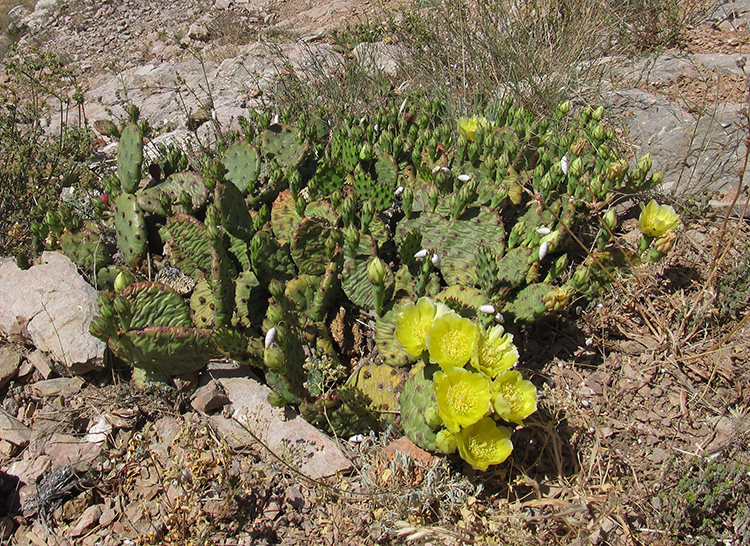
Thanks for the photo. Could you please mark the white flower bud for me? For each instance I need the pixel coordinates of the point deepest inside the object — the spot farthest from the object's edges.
(464, 177)
(544, 231)
(564, 164)
(436, 260)
(275, 119)
(421, 254)
(446, 170)
(436, 169)
(488, 309)
(270, 336)
(398, 191)
(499, 318)
(543, 250)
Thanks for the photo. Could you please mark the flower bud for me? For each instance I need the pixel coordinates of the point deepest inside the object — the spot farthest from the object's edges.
(376, 271)
(610, 219)
(665, 243)
(576, 168)
(121, 281)
(488, 309)
(645, 163)
(270, 336)
(578, 146)
(598, 114)
(564, 107)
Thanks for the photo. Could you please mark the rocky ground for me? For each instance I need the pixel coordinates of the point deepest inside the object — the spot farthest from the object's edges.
(632, 389)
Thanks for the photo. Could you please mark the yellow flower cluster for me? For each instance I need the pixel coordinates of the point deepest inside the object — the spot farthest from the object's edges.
(475, 385)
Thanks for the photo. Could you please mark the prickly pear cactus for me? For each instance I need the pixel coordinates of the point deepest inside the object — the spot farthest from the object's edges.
(417, 399)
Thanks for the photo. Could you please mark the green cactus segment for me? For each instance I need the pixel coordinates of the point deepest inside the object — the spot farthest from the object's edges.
(242, 162)
(284, 144)
(312, 246)
(130, 227)
(236, 345)
(155, 304)
(343, 413)
(456, 241)
(387, 172)
(344, 151)
(417, 397)
(232, 212)
(284, 217)
(86, 249)
(191, 244)
(323, 211)
(357, 285)
(382, 384)
(462, 299)
(270, 260)
(202, 304)
(328, 291)
(173, 189)
(329, 177)
(390, 350)
(222, 281)
(130, 158)
(170, 350)
(240, 250)
(528, 305)
(250, 300)
(513, 267)
(524, 231)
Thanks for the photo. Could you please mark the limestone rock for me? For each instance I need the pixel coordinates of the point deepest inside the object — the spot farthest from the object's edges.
(51, 306)
(287, 435)
(10, 360)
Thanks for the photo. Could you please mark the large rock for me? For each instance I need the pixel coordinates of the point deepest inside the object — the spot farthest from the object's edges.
(286, 435)
(51, 306)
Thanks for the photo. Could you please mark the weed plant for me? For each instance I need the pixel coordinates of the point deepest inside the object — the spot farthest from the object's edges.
(35, 165)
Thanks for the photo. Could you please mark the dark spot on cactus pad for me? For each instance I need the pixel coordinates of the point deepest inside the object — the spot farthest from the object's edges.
(381, 386)
(418, 388)
(367, 374)
(202, 300)
(211, 306)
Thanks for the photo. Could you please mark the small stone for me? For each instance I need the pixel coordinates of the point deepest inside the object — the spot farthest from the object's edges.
(87, 520)
(14, 431)
(198, 32)
(60, 386)
(209, 397)
(10, 360)
(40, 363)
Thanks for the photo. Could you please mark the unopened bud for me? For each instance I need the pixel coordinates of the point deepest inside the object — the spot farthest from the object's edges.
(488, 309)
(610, 219)
(270, 336)
(376, 271)
(421, 254)
(645, 163)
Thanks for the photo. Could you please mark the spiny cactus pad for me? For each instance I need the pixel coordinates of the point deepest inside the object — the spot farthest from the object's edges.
(130, 227)
(130, 158)
(419, 395)
(242, 162)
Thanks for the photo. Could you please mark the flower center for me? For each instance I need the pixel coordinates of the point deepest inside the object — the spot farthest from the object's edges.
(461, 397)
(454, 345)
(513, 396)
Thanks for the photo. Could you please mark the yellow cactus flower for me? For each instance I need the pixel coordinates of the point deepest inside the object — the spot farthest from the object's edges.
(484, 444)
(495, 352)
(414, 321)
(514, 398)
(468, 126)
(452, 340)
(656, 220)
(463, 397)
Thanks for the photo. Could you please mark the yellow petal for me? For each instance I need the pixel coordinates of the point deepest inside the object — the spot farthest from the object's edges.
(656, 220)
(463, 397)
(452, 340)
(495, 352)
(413, 322)
(484, 444)
(514, 397)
